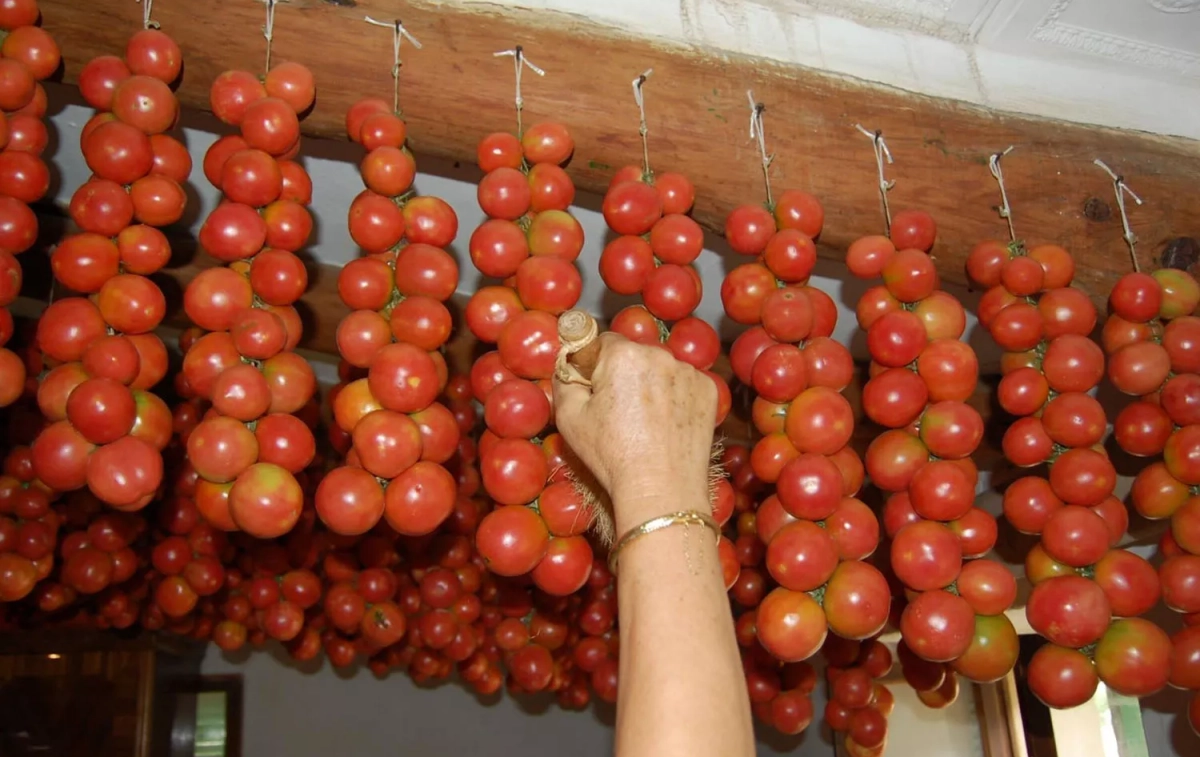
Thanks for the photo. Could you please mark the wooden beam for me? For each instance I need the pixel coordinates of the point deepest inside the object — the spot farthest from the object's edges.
(454, 91)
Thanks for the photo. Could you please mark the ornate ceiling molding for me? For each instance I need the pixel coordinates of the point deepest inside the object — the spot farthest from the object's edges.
(1053, 31)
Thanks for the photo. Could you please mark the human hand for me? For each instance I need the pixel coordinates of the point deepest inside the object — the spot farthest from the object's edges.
(644, 429)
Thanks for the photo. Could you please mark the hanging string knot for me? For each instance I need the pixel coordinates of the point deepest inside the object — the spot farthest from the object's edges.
(519, 62)
(269, 29)
(882, 155)
(1005, 210)
(1121, 189)
(399, 34)
(759, 133)
(147, 22)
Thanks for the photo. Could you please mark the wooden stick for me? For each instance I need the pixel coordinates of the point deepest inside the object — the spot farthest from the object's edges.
(578, 331)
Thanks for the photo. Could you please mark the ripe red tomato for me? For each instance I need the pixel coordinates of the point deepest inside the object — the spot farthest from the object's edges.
(913, 229)
(896, 338)
(938, 625)
(565, 567)
(926, 555)
(743, 291)
(1084, 477)
(632, 207)
(1061, 677)
(791, 625)
(83, 262)
(893, 457)
(1075, 536)
(265, 500)
(810, 487)
(820, 420)
(1068, 610)
(233, 231)
(512, 540)
(1180, 578)
(420, 499)
(1129, 582)
(801, 556)
(857, 600)
(125, 473)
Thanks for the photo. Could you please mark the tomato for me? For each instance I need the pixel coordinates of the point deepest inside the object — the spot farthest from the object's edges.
(1180, 578)
(101, 409)
(938, 626)
(17, 85)
(529, 344)
(672, 292)
(1181, 293)
(857, 600)
(820, 420)
(632, 207)
(125, 473)
(420, 499)
(512, 540)
(60, 457)
(896, 338)
(265, 500)
(101, 207)
(801, 556)
(988, 586)
(119, 152)
(549, 284)
(1029, 502)
(270, 124)
(914, 229)
(1068, 610)
(565, 567)
(941, 491)
(743, 291)
(547, 142)
(892, 458)
(1129, 582)
(221, 448)
(1180, 399)
(926, 555)
(83, 262)
(143, 249)
(145, 103)
(1133, 657)
(1083, 477)
(791, 625)
(233, 231)
(1075, 536)
(950, 370)
(1182, 455)
(1061, 677)
(1073, 363)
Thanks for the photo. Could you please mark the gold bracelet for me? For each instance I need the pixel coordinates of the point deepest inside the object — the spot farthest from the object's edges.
(682, 517)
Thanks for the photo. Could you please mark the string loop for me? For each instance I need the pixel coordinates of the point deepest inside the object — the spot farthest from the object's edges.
(643, 131)
(757, 132)
(269, 30)
(998, 174)
(147, 22)
(1120, 188)
(519, 62)
(882, 153)
(399, 34)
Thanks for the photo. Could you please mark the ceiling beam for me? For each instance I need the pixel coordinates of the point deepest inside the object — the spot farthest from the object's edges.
(454, 91)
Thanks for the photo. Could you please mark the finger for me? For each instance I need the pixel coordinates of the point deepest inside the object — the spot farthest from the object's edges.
(610, 350)
(570, 401)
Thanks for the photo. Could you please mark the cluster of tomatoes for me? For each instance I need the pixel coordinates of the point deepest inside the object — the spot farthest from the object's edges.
(1087, 593)
(248, 446)
(107, 428)
(530, 241)
(396, 435)
(1153, 344)
(27, 55)
(859, 704)
(921, 378)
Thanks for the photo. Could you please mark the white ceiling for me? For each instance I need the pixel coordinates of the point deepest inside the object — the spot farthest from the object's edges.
(1123, 63)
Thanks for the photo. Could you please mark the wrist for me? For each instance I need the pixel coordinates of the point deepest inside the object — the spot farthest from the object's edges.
(633, 508)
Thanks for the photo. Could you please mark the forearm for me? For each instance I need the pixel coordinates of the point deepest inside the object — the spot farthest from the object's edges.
(682, 689)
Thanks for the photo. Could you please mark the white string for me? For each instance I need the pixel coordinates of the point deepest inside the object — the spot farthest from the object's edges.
(998, 174)
(519, 62)
(757, 132)
(1121, 189)
(399, 34)
(639, 98)
(147, 22)
(882, 153)
(269, 28)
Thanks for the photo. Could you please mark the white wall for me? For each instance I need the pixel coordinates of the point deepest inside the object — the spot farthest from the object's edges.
(311, 710)
(1122, 63)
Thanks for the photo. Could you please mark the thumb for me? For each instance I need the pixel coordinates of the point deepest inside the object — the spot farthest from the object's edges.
(570, 404)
